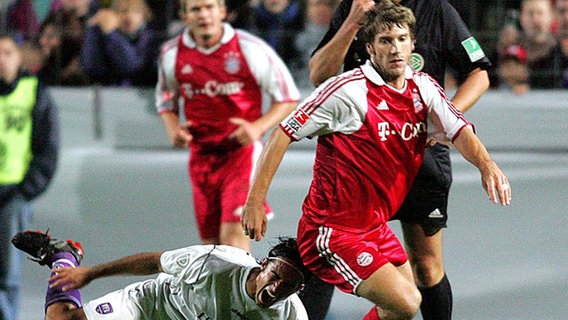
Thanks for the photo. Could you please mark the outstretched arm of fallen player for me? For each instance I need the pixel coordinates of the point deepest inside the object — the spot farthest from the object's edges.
(138, 264)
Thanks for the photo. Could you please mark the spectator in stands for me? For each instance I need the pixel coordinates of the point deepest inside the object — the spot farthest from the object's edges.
(512, 69)
(32, 57)
(562, 14)
(318, 17)
(278, 22)
(511, 72)
(240, 14)
(543, 52)
(119, 48)
(50, 43)
(22, 20)
(69, 18)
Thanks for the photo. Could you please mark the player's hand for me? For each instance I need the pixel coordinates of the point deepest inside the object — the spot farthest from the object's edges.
(358, 11)
(246, 133)
(107, 20)
(495, 183)
(69, 278)
(254, 221)
(430, 142)
(182, 137)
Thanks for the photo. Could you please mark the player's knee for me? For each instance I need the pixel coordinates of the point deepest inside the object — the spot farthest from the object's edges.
(410, 305)
(429, 275)
(405, 306)
(428, 270)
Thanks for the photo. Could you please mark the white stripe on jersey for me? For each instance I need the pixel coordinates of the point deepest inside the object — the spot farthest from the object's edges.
(327, 90)
(270, 71)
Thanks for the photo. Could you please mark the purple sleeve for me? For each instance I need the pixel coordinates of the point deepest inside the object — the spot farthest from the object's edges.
(92, 53)
(130, 57)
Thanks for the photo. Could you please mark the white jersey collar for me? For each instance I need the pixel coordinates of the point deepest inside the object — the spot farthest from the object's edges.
(372, 74)
(228, 34)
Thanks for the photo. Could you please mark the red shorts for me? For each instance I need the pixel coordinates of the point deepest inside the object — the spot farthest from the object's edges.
(344, 259)
(220, 183)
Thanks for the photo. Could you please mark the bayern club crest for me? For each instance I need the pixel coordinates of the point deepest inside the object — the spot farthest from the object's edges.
(232, 63)
(418, 107)
(364, 259)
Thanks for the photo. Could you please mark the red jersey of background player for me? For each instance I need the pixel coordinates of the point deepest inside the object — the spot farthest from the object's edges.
(219, 83)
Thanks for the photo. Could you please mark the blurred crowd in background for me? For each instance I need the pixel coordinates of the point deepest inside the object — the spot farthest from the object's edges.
(117, 42)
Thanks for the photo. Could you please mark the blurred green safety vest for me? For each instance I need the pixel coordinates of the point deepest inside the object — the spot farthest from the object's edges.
(16, 131)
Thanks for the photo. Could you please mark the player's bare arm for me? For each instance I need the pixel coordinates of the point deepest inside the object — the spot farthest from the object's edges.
(476, 83)
(248, 132)
(139, 264)
(492, 178)
(327, 61)
(253, 219)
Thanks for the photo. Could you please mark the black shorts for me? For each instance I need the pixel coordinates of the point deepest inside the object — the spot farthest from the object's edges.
(427, 201)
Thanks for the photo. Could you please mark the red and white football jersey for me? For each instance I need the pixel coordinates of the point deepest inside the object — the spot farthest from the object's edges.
(225, 81)
(371, 139)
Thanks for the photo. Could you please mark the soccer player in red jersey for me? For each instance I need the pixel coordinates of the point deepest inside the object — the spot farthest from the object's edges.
(217, 75)
(442, 42)
(372, 124)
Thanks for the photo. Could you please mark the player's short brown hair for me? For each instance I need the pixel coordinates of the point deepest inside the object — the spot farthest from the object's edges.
(387, 14)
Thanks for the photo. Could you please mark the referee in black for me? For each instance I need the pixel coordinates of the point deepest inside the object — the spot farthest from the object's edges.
(443, 42)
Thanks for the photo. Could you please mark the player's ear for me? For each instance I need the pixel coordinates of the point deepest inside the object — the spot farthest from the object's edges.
(370, 49)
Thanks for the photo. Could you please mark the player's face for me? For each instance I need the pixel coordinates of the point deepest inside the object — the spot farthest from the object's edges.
(277, 280)
(10, 60)
(536, 17)
(390, 53)
(205, 21)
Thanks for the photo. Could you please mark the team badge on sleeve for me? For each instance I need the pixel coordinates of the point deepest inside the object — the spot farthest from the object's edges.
(104, 308)
(416, 62)
(473, 49)
(297, 120)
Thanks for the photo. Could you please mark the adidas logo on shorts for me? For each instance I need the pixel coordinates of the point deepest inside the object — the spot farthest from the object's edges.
(436, 214)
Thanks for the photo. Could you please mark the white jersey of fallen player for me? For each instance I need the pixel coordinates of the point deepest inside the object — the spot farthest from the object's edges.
(363, 171)
(209, 282)
(203, 282)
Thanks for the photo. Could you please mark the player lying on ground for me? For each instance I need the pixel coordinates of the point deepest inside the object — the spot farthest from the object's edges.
(197, 282)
